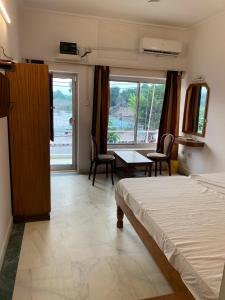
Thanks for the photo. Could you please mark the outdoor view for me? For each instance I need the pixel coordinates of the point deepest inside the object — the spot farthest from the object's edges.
(61, 148)
(135, 111)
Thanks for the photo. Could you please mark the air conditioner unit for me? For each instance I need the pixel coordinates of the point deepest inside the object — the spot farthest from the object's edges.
(160, 46)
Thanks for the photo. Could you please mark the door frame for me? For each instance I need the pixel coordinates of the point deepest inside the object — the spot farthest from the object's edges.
(74, 77)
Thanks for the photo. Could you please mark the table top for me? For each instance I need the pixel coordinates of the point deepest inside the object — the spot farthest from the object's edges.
(132, 157)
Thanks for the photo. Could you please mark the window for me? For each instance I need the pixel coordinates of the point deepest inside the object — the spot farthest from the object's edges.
(135, 111)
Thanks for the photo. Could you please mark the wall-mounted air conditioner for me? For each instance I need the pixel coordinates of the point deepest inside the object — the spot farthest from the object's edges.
(160, 46)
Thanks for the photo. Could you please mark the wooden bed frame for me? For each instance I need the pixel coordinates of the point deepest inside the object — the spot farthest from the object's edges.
(181, 292)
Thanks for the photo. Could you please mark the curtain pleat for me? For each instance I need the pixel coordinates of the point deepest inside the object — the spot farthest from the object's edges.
(101, 107)
(169, 122)
(191, 110)
(196, 107)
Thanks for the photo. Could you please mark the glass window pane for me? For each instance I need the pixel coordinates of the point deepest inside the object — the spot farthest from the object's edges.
(61, 148)
(149, 113)
(122, 114)
(202, 107)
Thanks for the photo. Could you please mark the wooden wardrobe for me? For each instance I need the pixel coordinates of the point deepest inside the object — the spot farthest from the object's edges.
(29, 130)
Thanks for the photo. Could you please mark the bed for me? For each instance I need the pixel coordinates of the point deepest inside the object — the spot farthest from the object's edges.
(181, 220)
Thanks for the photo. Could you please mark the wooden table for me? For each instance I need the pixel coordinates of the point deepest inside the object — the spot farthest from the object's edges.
(132, 158)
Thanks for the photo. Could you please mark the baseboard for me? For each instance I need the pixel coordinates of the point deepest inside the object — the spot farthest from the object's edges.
(5, 242)
(83, 171)
(24, 219)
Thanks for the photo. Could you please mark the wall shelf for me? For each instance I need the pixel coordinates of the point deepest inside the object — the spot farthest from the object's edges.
(189, 142)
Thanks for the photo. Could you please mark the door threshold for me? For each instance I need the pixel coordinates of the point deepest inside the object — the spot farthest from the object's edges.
(64, 171)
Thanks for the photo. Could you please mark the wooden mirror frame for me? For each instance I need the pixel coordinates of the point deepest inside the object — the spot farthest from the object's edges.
(199, 84)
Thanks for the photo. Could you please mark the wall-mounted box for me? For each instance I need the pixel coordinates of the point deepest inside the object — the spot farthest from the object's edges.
(68, 48)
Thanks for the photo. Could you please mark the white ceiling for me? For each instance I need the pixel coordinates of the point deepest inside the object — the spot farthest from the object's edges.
(166, 12)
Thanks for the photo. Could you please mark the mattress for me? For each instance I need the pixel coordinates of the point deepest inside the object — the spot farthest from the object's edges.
(186, 218)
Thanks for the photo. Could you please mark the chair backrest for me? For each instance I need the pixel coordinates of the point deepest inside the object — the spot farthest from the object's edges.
(94, 149)
(166, 144)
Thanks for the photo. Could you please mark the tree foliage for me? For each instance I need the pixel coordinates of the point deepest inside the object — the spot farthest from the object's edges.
(150, 105)
(125, 108)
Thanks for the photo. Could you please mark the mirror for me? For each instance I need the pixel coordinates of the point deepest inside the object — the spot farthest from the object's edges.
(195, 110)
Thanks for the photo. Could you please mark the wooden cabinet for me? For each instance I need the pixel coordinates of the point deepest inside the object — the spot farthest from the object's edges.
(29, 142)
(4, 96)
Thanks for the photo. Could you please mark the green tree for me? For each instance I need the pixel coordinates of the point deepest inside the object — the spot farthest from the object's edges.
(114, 94)
(62, 101)
(113, 137)
(150, 105)
(58, 95)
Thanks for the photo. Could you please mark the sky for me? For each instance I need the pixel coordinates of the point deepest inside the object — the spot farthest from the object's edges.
(62, 84)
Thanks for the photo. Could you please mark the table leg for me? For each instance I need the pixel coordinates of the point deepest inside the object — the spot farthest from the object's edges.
(115, 164)
(150, 170)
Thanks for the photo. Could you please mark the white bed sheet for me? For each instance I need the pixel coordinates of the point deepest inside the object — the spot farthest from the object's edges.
(213, 181)
(186, 218)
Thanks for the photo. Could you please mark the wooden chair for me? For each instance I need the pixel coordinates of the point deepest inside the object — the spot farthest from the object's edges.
(164, 153)
(100, 159)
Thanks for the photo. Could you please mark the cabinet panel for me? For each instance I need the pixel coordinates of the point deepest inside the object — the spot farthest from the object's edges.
(4, 96)
(29, 141)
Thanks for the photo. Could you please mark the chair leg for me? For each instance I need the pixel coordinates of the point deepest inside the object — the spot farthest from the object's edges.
(160, 167)
(156, 166)
(169, 166)
(90, 172)
(112, 165)
(107, 170)
(95, 169)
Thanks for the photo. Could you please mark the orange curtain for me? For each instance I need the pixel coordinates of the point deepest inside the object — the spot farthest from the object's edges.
(196, 106)
(169, 122)
(101, 102)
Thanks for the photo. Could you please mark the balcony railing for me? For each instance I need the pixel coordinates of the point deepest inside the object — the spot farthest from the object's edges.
(127, 136)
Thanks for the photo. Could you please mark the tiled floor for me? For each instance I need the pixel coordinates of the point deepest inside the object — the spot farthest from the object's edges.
(80, 254)
(9, 267)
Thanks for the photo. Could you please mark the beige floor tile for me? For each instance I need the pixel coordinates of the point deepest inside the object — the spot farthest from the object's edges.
(22, 292)
(103, 279)
(80, 254)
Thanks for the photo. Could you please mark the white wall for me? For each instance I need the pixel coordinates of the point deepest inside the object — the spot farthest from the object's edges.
(206, 58)
(9, 40)
(43, 30)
